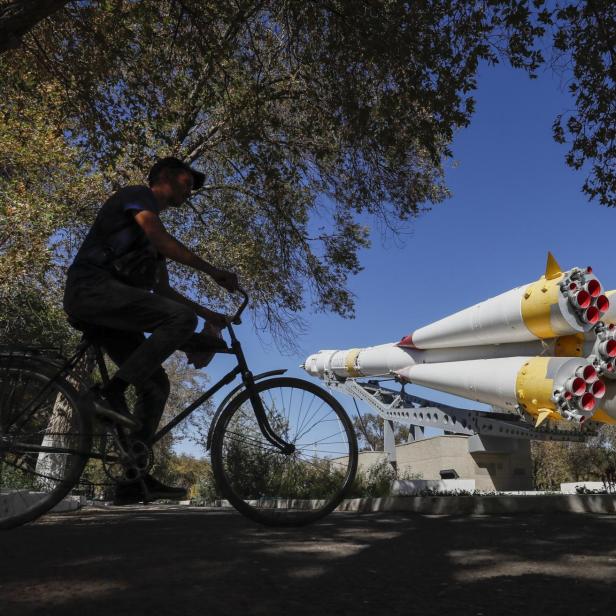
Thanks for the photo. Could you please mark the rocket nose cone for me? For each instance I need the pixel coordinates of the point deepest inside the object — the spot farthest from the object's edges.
(310, 365)
(404, 373)
(407, 342)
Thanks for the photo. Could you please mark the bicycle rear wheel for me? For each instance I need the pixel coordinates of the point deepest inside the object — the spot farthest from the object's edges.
(44, 439)
(280, 489)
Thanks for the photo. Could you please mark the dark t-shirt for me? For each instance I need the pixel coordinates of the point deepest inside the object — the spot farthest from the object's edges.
(114, 232)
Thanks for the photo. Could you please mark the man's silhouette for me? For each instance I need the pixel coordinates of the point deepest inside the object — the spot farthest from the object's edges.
(119, 284)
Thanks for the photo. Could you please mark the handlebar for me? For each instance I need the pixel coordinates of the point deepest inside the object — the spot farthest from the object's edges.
(235, 319)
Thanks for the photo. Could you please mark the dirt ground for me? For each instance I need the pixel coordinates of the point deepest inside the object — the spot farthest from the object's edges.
(172, 560)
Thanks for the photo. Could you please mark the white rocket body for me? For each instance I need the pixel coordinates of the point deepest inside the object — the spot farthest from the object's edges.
(496, 320)
(491, 381)
(540, 347)
(555, 387)
(387, 358)
(493, 321)
(610, 316)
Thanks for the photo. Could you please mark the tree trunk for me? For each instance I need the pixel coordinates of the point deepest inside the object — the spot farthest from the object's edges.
(53, 465)
(20, 16)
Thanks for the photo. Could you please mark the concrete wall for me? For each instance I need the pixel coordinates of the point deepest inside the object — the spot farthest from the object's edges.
(490, 470)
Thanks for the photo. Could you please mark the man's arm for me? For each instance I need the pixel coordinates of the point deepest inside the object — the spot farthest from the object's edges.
(171, 248)
(164, 288)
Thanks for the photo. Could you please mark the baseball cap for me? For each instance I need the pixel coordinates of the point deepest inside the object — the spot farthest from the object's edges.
(171, 162)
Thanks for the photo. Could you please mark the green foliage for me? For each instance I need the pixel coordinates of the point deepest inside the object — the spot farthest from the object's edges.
(30, 314)
(585, 51)
(280, 103)
(369, 430)
(189, 472)
(16, 479)
(560, 462)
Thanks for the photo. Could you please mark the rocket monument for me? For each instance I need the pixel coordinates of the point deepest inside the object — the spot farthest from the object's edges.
(546, 349)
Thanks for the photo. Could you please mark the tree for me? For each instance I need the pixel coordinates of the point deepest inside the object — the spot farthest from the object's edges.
(310, 120)
(369, 429)
(560, 462)
(585, 42)
(17, 17)
(305, 117)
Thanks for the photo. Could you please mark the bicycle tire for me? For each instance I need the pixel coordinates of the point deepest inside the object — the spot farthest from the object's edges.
(30, 487)
(245, 483)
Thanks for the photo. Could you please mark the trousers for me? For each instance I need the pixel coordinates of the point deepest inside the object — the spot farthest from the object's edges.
(121, 314)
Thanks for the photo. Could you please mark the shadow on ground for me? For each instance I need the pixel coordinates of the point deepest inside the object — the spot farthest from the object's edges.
(193, 561)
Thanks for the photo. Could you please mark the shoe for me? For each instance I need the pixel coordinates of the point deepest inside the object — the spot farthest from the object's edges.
(132, 493)
(113, 409)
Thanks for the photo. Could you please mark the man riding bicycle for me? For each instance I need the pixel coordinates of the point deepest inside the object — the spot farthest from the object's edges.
(119, 284)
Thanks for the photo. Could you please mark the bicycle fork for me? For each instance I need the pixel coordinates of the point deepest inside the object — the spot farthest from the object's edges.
(262, 420)
(255, 399)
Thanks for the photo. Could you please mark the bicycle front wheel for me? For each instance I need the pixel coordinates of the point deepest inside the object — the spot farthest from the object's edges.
(44, 439)
(280, 489)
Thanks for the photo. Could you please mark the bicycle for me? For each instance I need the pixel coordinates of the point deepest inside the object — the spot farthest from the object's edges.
(283, 450)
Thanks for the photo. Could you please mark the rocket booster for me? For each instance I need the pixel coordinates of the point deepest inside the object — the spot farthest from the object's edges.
(387, 358)
(610, 316)
(558, 304)
(544, 348)
(545, 387)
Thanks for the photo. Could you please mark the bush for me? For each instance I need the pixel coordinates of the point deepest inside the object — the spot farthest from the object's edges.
(376, 481)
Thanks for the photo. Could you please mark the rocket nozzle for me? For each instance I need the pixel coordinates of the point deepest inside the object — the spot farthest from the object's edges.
(587, 402)
(407, 342)
(607, 348)
(592, 315)
(576, 385)
(593, 287)
(581, 299)
(598, 389)
(588, 373)
(602, 304)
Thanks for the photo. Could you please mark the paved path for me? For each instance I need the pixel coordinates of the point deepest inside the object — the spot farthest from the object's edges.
(166, 560)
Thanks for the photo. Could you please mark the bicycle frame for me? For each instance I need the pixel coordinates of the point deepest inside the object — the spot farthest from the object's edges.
(248, 382)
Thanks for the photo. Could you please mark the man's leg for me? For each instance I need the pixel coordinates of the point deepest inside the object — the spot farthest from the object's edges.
(152, 396)
(117, 306)
(152, 393)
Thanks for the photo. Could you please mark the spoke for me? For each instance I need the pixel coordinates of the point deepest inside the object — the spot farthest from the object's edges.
(32, 472)
(320, 421)
(27, 410)
(288, 418)
(299, 417)
(243, 437)
(320, 467)
(323, 439)
(300, 434)
(307, 452)
(306, 446)
(16, 385)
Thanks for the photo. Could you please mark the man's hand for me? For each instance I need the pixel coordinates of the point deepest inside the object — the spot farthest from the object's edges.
(226, 279)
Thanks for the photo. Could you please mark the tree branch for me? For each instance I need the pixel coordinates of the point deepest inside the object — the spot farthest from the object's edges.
(17, 18)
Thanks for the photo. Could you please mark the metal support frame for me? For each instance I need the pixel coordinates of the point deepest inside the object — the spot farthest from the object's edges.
(420, 413)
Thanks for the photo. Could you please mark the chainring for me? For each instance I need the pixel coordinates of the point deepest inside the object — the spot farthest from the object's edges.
(126, 462)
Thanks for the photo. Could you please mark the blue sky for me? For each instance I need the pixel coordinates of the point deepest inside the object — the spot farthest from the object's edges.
(513, 199)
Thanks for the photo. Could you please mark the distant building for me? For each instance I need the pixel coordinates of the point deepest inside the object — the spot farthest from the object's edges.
(501, 464)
